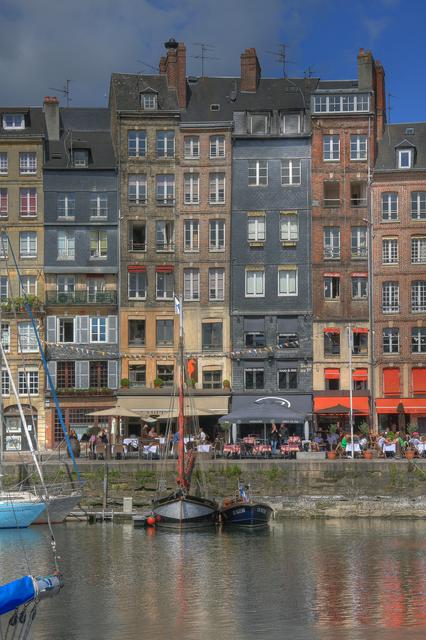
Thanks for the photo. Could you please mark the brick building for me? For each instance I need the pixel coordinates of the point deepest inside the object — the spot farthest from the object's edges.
(399, 284)
(347, 120)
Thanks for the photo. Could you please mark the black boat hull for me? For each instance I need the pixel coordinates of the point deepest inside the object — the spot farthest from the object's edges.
(184, 511)
(250, 514)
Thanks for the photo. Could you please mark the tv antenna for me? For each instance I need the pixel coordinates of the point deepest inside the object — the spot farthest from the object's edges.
(281, 56)
(65, 91)
(309, 72)
(205, 50)
(389, 106)
(145, 64)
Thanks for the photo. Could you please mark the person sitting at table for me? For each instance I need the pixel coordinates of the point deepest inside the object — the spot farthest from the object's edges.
(317, 442)
(202, 436)
(152, 432)
(414, 440)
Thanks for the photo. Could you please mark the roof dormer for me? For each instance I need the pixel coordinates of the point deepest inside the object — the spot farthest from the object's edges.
(149, 99)
(405, 154)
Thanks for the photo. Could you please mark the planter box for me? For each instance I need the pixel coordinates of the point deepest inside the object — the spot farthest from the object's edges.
(310, 455)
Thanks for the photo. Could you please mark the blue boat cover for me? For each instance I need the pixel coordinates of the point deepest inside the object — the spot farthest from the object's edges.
(15, 593)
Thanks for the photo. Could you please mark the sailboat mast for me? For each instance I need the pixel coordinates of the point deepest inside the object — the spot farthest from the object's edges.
(181, 418)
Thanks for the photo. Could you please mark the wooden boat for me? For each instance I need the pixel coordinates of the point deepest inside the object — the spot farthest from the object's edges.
(242, 511)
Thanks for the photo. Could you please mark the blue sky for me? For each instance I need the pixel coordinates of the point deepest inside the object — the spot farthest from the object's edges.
(44, 42)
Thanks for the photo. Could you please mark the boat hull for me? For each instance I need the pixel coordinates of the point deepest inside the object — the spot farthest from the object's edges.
(250, 514)
(19, 514)
(59, 508)
(184, 511)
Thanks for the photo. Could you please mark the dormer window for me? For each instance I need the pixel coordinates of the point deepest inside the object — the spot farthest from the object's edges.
(149, 101)
(80, 157)
(13, 121)
(405, 158)
(258, 123)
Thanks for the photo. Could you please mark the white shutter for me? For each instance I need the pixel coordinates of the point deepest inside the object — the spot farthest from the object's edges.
(82, 329)
(51, 329)
(82, 374)
(112, 374)
(52, 370)
(112, 329)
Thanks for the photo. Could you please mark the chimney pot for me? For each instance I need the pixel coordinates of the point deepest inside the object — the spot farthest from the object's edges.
(250, 70)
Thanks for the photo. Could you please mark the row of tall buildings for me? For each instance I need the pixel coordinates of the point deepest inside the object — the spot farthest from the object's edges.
(285, 212)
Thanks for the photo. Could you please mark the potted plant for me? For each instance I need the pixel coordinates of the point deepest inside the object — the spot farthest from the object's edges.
(158, 383)
(226, 384)
(191, 382)
(125, 382)
(364, 429)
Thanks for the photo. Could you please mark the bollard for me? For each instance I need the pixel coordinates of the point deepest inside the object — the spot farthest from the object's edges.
(128, 505)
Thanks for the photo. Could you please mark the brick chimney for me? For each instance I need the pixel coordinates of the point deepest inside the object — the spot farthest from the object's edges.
(174, 66)
(365, 70)
(380, 98)
(51, 116)
(250, 70)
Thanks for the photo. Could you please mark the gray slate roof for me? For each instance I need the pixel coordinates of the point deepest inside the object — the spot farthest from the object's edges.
(337, 85)
(394, 135)
(128, 87)
(34, 122)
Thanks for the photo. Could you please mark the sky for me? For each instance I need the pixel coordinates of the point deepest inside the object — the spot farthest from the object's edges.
(45, 42)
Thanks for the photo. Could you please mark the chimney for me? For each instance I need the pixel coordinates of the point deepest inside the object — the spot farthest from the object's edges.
(162, 65)
(365, 70)
(51, 115)
(250, 70)
(174, 65)
(380, 98)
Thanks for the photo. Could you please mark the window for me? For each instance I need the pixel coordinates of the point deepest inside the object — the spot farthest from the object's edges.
(28, 382)
(164, 235)
(418, 340)
(5, 383)
(191, 188)
(390, 251)
(418, 296)
(418, 250)
(418, 380)
(164, 285)
(418, 205)
(137, 236)
(256, 228)
(405, 158)
(216, 284)
(217, 188)
(65, 205)
(4, 244)
(254, 378)
(165, 144)
(4, 288)
(291, 173)
(358, 194)
(331, 343)
(98, 375)
(28, 202)
(28, 244)
(257, 173)
(289, 227)
(165, 372)
(27, 163)
(136, 335)
(4, 204)
(165, 190)
(27, 341)
(28, 285)
(389, 207)
(5, 336)
(98, 244)
(332, 379)
(98, 329)
(390, 297)
(65, 375)
(287, 341)
(390, 340)
(137, 285)
(331, 148)
(359, 343)
(212, 336)
(137, 375)
(331, 237)
(66, 330)
(287, 378)
(290, 123)
(137, 189)
(359, 287)
(331, 192)
(95, 290)
(258, 123)
(80, 158)
(3, 164)
(333, 103)
(66, 245)
(255, 283)
(358, 147)
(136, 144)
(191, 235)
(13, 121)
(217, 235)
(287, 281)
(98, 205)
(217, 146)
(191, 284)
(149, 101)
(391, 382)
(191, 147)
(331, 287)
(359, 242)
(254, 339)
(165, 332)
(65, 285)
(212, 379)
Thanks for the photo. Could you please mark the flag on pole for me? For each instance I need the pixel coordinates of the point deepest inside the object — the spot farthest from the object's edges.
(177, 306)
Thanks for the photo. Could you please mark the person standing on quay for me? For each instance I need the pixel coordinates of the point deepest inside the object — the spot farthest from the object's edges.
(274, 438)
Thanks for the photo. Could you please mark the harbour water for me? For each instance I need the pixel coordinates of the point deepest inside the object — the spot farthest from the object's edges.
(299, 579)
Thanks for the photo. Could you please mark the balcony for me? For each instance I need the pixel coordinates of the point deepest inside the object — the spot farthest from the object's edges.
(17, 305)
(81, 297)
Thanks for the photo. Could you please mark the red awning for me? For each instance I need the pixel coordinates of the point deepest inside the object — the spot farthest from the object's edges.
(360, 274)
(331, 330)
(332, 274)
(411, 405)
(136, 268)
(165, 268)
(360, 374)
(332, 374)
(359, 403)
(419, 380)
(360, 330)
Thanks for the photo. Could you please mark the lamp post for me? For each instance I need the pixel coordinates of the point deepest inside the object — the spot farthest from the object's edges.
(351, 410)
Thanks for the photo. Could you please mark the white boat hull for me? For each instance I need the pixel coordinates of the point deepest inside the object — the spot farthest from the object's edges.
(178, 511)
(59, 508)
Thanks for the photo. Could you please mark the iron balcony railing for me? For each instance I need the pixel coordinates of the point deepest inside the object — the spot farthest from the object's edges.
(81, 297)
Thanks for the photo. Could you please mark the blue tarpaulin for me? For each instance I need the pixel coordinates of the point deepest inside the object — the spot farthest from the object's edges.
(15, 593)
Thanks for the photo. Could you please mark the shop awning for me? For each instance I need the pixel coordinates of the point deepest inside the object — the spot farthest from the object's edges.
(264, 411)
(332, 374)
(411, 405)
(165, 406)
(340, 404)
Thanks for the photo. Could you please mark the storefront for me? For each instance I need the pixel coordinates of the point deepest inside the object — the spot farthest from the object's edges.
(397, 413)
(335, 410)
